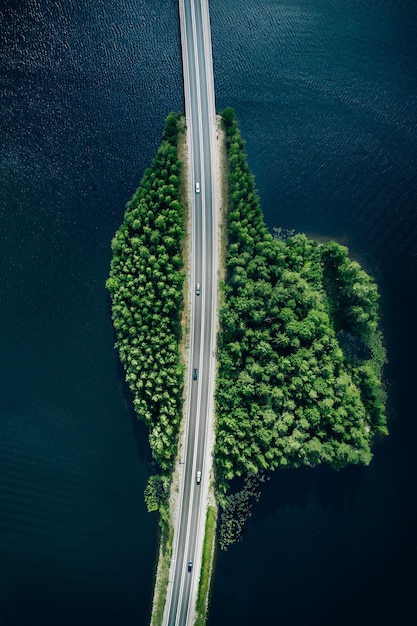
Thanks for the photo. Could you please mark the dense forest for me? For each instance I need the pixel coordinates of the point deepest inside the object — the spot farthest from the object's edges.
(146, 288)
(300, 352)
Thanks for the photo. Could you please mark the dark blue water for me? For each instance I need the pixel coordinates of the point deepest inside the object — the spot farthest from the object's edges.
(325, 93)
(85, 88)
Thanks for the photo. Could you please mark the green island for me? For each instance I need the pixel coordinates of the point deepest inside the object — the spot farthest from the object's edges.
(146, 288)
(300, 351)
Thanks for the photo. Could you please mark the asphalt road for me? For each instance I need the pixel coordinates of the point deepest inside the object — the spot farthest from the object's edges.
(200, 115)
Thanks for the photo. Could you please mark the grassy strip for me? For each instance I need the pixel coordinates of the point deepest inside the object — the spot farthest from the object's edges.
(224, 195)
(161, 587)
(186, 242)
(206, 566)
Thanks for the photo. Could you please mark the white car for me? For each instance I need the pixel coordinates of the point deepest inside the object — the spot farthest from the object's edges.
(198, 477)
(197, 187)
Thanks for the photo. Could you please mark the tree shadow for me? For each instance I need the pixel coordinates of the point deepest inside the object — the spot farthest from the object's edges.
(139, 428)
(336, 490)
(286, 488)
(298, 488)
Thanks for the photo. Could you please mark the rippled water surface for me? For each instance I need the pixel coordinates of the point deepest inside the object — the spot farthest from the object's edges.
(325, 93)
(85, 87)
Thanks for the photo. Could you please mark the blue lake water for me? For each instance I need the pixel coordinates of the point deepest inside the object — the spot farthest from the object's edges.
(325, 93)
(85, 88)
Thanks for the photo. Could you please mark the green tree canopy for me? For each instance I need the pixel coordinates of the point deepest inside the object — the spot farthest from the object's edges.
(290, 390)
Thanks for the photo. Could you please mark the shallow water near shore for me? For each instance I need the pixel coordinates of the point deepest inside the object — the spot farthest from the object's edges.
(325, 96)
